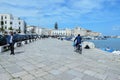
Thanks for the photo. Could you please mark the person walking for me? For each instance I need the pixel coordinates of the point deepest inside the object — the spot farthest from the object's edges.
(11, 43)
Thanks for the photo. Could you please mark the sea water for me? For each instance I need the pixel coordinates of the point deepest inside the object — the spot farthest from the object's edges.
(112, 43)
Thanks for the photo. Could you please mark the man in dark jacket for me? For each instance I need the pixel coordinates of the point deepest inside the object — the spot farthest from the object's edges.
(78, 40)
(11, 42)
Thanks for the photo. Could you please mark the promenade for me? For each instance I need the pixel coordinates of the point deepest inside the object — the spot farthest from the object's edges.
(52, 59)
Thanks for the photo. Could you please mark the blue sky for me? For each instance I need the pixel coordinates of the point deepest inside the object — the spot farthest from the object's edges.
(96, 15)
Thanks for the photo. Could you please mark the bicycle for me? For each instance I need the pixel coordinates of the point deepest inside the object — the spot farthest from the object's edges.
(79, 48)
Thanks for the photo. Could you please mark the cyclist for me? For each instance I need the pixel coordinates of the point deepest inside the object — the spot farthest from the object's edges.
(77, 41)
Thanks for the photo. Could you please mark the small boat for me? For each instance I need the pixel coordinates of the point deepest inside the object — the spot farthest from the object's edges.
(109, 49)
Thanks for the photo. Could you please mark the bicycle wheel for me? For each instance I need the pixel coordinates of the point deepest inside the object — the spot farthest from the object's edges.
(80, 50)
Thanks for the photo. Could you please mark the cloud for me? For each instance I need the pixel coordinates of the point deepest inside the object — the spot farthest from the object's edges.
(64, 11)
(116, 28)
(19, 2)
(20, 10)
(87, 4)
(53, 8)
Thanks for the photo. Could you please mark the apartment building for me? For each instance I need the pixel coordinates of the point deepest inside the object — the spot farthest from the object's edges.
(8, 22)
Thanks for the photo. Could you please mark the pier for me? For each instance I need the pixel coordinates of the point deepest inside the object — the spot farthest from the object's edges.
(53, 59)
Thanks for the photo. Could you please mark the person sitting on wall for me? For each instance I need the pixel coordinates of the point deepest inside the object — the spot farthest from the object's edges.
(87, 47)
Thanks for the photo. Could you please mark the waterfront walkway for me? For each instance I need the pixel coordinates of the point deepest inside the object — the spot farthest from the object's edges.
(52, 59)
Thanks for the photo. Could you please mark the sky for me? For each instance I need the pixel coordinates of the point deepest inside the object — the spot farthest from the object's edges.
(97, 15)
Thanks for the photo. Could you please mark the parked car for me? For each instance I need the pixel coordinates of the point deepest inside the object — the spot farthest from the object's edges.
(3, 40)
(18, 38)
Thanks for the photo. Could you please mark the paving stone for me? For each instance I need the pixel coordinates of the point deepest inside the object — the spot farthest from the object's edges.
(65, 76)
(39, 78)
(76, 79)
(47, 68)
(87, 77)
(2, 71)
(100, 76)
(7, 64)
(5, 76)
(49, 77)
(14, 69)
(38, 72)
(76, 73)
(51, 59)
(40, 65)
(112, 76)
(63, 69)
(22, 63)
(79, 69)
(89, 72)
(29, 67)
(55, 72)
(19, 74)
(16, 78)
(72, 65)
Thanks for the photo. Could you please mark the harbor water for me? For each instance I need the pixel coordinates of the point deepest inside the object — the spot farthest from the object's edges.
(112, 43)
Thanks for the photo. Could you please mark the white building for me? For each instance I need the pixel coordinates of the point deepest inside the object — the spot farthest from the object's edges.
(9, 22)
(38, 30)
(93, 34)
(45, 31)
(68, 32)
(79, 30)
(58, 32)
(84, 32)
(30, 29)
(61, 32)
(34, 30)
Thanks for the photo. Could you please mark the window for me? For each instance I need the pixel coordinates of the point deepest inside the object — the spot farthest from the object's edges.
(10, 22)
(5, 22)
(5, 17)
(1, 17)
(2, 23)
(19, 23)
(19, 30)
(5, 27)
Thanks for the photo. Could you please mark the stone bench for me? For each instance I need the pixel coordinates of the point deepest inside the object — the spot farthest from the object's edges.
(17, 44)
(4, 47)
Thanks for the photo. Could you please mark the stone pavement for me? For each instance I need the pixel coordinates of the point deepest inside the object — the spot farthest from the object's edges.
(52, 59)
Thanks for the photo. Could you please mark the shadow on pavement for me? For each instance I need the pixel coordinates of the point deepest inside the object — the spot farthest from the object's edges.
(19, 52)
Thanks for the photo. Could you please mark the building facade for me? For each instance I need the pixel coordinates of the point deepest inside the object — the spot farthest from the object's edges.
(73, 32)
(84, 32)
(79, 30)
(10, 23)
(58, 32)
(34, 30)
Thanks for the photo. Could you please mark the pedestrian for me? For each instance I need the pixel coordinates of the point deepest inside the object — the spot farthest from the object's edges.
(11, 42)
